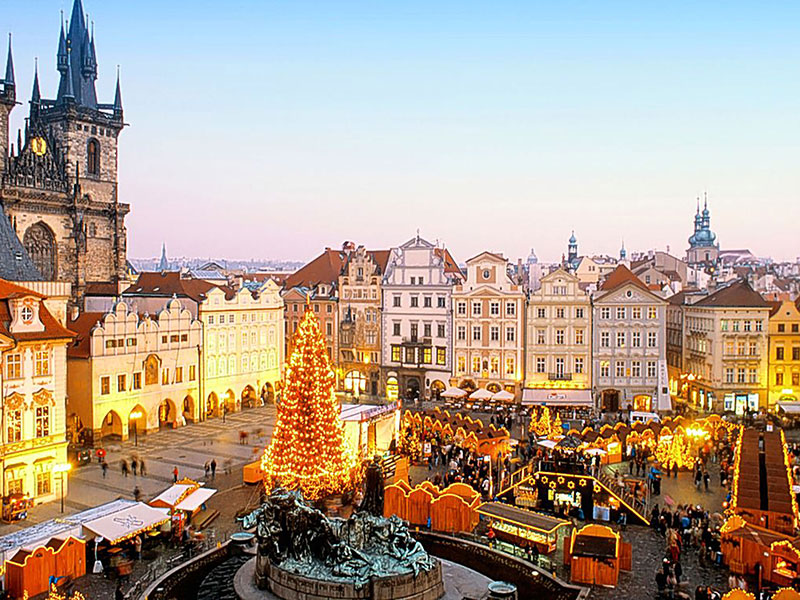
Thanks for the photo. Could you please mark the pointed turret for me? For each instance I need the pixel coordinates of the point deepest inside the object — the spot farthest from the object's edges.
(163, 264)
(36, 96)
(9, 78)
(623, 254)
(69, 90)
(118, 98)
(61, 55)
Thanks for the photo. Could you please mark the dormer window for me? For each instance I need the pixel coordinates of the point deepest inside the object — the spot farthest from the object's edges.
(26, 314)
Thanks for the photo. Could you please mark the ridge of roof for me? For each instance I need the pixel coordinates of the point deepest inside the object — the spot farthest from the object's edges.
(737, 294)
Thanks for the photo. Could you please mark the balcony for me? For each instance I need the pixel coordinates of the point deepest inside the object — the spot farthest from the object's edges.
(559, 376)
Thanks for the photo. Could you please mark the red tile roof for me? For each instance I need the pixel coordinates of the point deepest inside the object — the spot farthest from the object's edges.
(168, 284)
(323, 269)
(736, 295)
(450, 265)
(620, 276)
(82, 326)
(53, 330)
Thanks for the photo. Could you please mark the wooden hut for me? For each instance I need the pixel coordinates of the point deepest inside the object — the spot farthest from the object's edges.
(395, 500)
(30, 570)
(738, 594)
(596, 555)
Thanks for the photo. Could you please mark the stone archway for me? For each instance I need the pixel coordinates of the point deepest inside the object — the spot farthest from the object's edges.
(268, 393)
(137, 421)
(468, 385)
(249, 397)
(111, 426)
(231, 402)
(188, 409)
(212, 405)
(167, 414)
(437, 387)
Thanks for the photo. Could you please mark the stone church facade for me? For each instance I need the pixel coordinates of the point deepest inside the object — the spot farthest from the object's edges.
(58, 183)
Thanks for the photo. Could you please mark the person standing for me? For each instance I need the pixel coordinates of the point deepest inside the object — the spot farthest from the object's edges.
(175, 474)
(142, 470)
(706, 478)
(124, 467)
(104, 468)
(134, 465)
(137, 493)
(213, 466)
(137, 546)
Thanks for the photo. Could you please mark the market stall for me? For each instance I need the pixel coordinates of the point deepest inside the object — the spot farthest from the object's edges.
(28, 572)
(596, 555)
(370, 429)
(452, 509)
(522, 527)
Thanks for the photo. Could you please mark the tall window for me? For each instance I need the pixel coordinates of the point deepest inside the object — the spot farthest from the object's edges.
(461, 333)
(40, 243)
(510, 366)
(652, 339)
(93, 157)
(604, 337)
(13, 366)
(43, 481)
(540, 364)
(651, 368)
(494, 333)
(476, 333)
(42, 421)
(511, 334)
(578, 364)
(13, 426)
(619, 369)
(559, 336)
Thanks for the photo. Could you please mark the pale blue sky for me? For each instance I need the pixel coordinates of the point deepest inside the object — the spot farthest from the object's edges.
(273, 129)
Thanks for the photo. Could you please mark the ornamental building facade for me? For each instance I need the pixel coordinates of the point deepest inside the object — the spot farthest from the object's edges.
(130, 373)
(488, 317)
(416, 336)
(34, 376)
(58, 184)
(725, 347)
(784, 353)
(558, 341)
(629, 345)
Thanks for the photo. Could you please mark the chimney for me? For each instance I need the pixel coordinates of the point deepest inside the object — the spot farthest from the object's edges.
(73, 313)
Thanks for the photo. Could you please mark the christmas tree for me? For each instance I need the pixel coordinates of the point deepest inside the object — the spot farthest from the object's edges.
(308, 451)
(542, 427)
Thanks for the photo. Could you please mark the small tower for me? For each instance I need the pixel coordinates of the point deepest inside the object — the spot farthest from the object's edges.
(163, 264)
(703, 248)
(572, 251)
(623, 254)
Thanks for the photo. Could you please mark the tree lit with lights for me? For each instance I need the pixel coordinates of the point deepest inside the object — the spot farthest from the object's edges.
(308, 451)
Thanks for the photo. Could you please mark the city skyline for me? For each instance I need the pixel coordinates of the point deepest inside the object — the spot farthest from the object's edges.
(502, 128)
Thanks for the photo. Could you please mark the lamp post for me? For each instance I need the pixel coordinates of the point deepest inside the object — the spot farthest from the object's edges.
(136, 415)
(61, 469)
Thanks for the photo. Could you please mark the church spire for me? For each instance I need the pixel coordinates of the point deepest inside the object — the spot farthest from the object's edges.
(36, 96)
(163, 264)
(9, 79)
(118, 97)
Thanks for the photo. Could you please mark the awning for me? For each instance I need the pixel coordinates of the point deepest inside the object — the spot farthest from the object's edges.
(172, 494)
(481, 394)
(194, 500)
(547, 443)
(126, 523)
(790, 408)
(503, 395)
(453, 392)
(553, 397)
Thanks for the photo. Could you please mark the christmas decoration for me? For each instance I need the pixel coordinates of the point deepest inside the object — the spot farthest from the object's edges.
(542, 426)
(556, 430)
(410, 444)
(673, 451)
(308, 451)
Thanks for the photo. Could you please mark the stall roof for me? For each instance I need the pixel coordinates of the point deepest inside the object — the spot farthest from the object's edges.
(556, 397)
(365, 412)
(453, 392)
(520, 516)
(594, 546)
(172, 494)
(195, 499)
(42, 532)
(790, 408)
(128, 522)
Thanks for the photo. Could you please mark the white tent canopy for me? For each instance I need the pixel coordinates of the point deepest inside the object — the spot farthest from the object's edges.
(172, 494)
(503, 395)
(194, 500)
(453, 392)
(126, 523)
(481, 394)
(547, 443)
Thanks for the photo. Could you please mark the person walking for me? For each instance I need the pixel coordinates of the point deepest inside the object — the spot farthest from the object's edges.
(142, 470)
(137, 546)
(206, 469)
(213, 466)
(124, 467)
(175, 474)
(137, 493)
(134, 465)
(104, 468)
(706, 479)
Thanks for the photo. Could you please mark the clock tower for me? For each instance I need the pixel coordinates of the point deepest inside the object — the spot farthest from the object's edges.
(59, 185)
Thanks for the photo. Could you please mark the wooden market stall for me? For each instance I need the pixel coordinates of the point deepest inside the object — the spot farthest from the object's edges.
(470, 432)
(29, 570)
(596, 555)
(452, 509)
(523, 527)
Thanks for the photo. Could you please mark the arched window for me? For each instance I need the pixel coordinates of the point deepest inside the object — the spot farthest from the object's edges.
(40, 243)
(93, 157)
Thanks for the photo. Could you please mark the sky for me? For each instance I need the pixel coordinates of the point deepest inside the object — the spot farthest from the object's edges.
(276, 128)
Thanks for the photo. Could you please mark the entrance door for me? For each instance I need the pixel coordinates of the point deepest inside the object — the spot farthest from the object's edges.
(611, 400)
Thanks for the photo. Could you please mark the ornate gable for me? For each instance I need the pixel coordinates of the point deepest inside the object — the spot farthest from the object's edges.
(40, 164)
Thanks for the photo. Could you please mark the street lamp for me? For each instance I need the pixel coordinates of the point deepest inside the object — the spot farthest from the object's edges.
(61, 469)
(136, 415)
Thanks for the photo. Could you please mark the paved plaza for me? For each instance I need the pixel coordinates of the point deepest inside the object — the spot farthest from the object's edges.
(187, 448)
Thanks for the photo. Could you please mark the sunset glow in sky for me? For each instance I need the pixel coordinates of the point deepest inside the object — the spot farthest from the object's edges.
(276, 128)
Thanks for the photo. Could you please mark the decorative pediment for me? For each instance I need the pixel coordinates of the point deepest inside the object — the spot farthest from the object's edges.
(15, 401)
(44, 397)
(628, 294)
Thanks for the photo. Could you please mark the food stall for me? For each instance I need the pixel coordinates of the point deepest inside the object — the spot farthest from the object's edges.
(596, 555)
(370, 429)
(15, 507)
(522, 527)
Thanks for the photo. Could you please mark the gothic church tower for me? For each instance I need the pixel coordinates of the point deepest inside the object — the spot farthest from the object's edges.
(59, 186)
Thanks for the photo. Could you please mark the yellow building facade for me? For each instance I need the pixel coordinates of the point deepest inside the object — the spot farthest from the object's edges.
(129, 374)
(34, 346)
(243, 347)
(784, 353)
